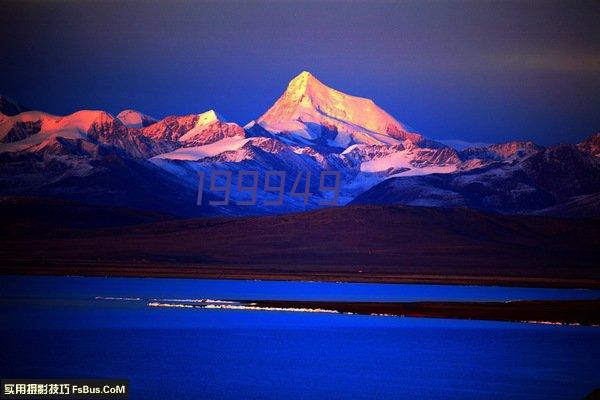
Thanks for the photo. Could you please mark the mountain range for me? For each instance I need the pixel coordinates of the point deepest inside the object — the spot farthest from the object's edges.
(138, 161)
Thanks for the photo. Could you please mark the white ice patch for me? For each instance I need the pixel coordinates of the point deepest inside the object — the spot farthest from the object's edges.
(402, 159)
(118, 298)
(259, 308)
(209, 150)
(557, 323)
(173, 305)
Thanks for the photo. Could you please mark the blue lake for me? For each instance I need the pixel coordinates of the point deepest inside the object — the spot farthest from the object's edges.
(55, 327)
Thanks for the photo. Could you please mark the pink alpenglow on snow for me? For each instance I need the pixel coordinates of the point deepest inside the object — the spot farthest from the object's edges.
(307, 106)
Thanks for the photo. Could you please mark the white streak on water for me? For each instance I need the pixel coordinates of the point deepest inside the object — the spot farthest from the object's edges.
(157, 304)
(236, 306)
(557, 323)
(197, 301)
(260, 308)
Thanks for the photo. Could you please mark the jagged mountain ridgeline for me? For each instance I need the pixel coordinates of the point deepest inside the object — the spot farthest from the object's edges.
(138, 161)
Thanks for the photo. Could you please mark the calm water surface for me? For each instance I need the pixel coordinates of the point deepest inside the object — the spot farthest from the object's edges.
(55, 327)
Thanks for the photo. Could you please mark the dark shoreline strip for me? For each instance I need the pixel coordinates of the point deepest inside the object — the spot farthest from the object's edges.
(251, 272)
(582, 312)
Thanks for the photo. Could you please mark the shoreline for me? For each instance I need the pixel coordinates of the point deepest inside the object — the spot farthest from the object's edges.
(541, 312)
(250, 272)
(545, 312)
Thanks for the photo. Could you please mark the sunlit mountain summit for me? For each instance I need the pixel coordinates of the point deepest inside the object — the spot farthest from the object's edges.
(92, 157)
(311, 112)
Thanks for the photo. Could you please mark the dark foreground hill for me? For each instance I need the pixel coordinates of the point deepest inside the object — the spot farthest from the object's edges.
(359, 243)
(39, 217)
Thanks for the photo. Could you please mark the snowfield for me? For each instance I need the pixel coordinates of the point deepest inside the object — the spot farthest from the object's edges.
(199, 152)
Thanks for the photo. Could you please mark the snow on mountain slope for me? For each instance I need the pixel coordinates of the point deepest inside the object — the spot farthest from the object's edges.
(210, 128)
(499, 188)
(236, 150)
(309, 112)
(406, 159)
(135, 119)
(171, 128)
(31, 129)
(401, 163)
(545, 179)
(196, 153)
(501, 151)
(259, 154)
(20, 127)
(209, 117)
(193, 130)
(518, 149)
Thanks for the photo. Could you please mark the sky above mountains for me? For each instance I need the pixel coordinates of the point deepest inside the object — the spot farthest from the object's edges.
(474, 71)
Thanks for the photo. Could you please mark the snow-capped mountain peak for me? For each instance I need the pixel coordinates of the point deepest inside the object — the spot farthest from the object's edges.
(210, 127)
(135, 119)
(302, 83)
(209, 117)
(310, 112)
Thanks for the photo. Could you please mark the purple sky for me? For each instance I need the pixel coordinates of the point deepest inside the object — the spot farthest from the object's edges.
(477, 71)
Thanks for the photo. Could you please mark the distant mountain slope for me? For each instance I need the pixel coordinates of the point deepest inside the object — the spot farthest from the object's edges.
(105, 178)
(584, 206)
(356, 243)
(591, 145)
(10, 107)
(542, 180)
(564, 171)
(500, 151)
